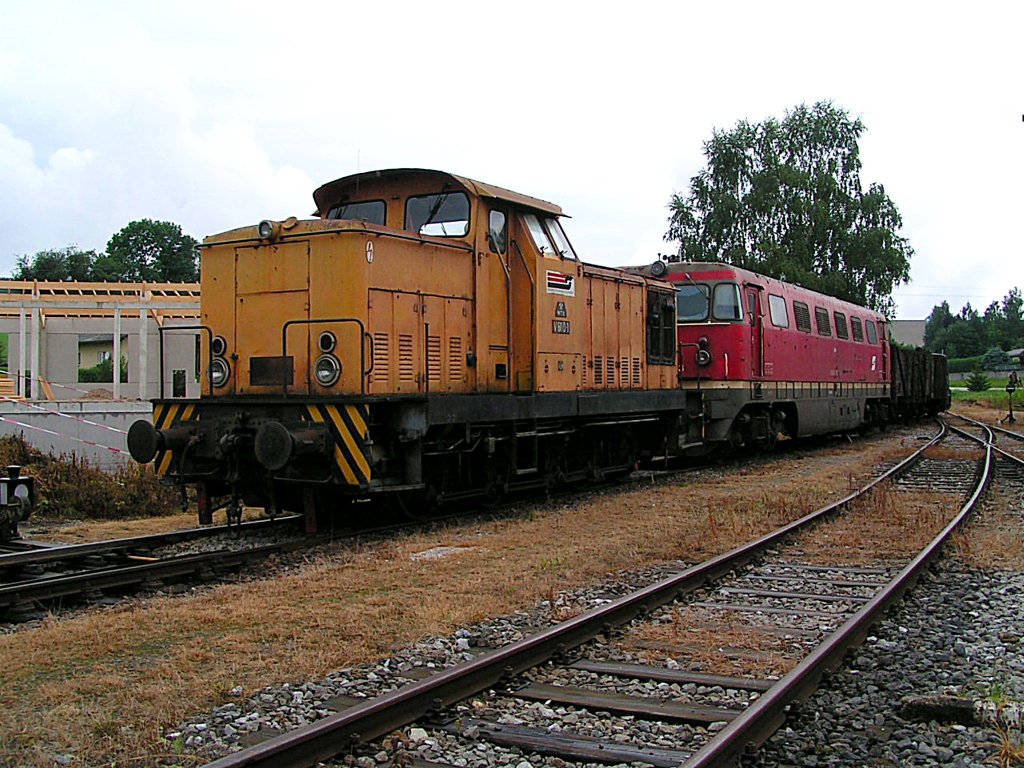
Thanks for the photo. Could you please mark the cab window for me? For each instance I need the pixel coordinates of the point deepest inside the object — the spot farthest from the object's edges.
(370, 211)
(727, 304)
(560, 240)
(661, 328)
(692, 301)
(445, 214)
(497, 231)
(540, 235)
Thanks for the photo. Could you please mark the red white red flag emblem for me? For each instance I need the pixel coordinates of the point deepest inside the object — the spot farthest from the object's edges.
(561, 283)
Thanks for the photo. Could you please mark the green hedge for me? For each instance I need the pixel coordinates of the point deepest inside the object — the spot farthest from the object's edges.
(964, 364)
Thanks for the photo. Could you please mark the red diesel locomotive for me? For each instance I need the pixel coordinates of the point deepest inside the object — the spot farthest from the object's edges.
(773, 359)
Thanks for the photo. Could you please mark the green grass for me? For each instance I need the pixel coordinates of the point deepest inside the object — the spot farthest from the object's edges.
(995, 397)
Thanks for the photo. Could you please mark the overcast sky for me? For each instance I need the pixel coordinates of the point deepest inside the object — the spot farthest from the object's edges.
(219, 114)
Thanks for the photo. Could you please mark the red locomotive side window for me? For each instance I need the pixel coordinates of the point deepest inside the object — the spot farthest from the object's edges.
(857, 328)
(803, 316)
(841, 331)
(821, 320)
(872, 332)
(778, 311)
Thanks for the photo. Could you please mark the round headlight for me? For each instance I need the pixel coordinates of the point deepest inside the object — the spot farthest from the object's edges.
(703, 357)
(219, 345)
(265, 229)
(327, 370)
(327, 342)
(219, 372)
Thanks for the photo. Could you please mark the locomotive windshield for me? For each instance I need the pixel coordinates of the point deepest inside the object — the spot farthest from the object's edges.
(692, 303)
(445, 214)
(548, 236)
(694, 300)
(371, 211)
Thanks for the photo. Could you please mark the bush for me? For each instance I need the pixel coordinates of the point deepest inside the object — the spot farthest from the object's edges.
(67, 486)
(102, 373)
(977, 382)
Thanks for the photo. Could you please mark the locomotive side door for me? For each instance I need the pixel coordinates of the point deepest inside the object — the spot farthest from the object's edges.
(752, 300)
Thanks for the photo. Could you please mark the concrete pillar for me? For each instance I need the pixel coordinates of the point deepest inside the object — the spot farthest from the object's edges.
(117, 353)
(36, 343)
(143, 354)
(22, 352)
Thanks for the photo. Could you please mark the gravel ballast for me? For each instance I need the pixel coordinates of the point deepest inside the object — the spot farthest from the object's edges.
(959, 633)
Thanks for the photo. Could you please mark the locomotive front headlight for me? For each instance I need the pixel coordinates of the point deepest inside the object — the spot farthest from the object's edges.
(703, 358)
(268, 230)
(327, 370)
(327, 342)
(220, 371)
(219, 346)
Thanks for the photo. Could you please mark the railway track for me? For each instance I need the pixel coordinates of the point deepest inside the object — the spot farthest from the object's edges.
(814, 612)
(33, 576)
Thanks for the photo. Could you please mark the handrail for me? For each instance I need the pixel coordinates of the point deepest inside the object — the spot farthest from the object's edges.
(364, 372)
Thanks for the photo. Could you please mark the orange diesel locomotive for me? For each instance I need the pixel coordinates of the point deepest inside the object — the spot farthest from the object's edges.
(427, 337)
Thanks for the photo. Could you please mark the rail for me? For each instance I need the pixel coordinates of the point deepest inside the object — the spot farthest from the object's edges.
(365, 721)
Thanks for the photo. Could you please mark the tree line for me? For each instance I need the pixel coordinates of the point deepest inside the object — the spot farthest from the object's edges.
(143, 251)
(970, 333)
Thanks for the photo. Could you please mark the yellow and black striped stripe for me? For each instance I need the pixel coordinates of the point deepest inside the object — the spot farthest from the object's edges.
(165, 416)
(348, 426)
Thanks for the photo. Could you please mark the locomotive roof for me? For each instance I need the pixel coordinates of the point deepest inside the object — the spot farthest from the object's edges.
(338, 189)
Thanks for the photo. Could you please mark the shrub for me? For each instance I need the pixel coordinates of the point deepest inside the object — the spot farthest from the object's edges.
(68, 486)
(102, 373)
(977, 382)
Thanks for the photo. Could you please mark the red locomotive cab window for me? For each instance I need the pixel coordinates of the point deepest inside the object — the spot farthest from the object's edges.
(727, 304)
(872, 332)
(692, 302)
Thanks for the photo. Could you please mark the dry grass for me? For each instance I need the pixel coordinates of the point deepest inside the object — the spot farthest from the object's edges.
(707, 641)
(104, 686)
(883, 526)
(995, 538)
